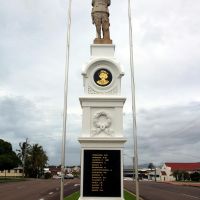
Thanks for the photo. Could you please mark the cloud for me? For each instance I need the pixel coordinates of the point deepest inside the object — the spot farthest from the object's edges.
(20, 119)
(165, 52)
(168, 133)
(166, 61)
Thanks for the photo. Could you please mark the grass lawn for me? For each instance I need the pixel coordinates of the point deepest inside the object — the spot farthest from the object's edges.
(128, 196)
(9, 179)
(75, 196)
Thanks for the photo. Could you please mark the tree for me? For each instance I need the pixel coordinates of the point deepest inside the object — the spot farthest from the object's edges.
(186, 176)
(22, 153)
(36, 161)
(8, 158)
(181, 175)
(195, 176)
(151, 166)
(176, 174)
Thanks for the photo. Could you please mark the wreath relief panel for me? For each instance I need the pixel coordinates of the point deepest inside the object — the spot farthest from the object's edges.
(102, 122)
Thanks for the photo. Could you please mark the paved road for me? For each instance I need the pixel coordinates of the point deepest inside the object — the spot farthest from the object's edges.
(162, 191)
(37, 189)
(50, 190)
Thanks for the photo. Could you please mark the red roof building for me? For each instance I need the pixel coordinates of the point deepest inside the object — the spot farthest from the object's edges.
(169, 169)
(184, 166)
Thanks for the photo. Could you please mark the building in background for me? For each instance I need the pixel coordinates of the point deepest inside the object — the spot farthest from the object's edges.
(167, 172)
(16, 172)
(171, 169)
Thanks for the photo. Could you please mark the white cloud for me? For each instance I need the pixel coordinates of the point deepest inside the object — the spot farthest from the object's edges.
(166, 134)
(166, 57)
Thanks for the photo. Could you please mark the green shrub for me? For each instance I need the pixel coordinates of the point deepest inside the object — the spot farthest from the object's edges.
(47, 175)
(195, 176)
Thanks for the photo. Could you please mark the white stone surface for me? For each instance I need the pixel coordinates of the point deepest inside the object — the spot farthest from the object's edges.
(112, 117)
(102, 56)
(91, 87)
(108, 143)
(101, 198)
(102, 106)
(102, 50)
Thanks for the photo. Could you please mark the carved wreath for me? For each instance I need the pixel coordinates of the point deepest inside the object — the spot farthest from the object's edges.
(102, 122)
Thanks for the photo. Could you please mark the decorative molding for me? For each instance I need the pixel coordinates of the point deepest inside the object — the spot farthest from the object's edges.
(92, 91)
(102, 122)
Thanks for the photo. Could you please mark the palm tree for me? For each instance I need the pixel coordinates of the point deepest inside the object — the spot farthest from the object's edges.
(22, 153)
(36, 161)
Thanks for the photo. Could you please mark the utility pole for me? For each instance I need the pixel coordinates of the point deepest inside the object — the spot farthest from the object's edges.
(133, 102)
(24, 157)
(133, 168)
(65, 102)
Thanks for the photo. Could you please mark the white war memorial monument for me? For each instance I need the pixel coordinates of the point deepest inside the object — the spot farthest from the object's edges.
(102, 140)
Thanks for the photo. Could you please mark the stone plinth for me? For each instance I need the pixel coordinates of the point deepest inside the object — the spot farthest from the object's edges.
(102, 139)
(105, 50)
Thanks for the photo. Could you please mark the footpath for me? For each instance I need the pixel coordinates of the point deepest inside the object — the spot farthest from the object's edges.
(192, 184)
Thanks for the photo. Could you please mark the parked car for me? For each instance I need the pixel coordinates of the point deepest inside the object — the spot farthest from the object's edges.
(69, 176)
(56, 177)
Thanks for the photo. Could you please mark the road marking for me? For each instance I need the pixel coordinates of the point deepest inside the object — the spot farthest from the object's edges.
(50, 193)
(41, 199)
(191, 196)
(76, 185)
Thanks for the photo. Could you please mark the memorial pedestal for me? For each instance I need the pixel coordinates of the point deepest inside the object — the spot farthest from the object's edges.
(102, 139)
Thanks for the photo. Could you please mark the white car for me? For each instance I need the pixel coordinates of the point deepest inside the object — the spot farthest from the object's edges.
(56, 177)
(69, 176)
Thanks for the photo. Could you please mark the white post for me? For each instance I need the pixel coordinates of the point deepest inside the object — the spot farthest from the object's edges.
(65, 103)
(133, 103)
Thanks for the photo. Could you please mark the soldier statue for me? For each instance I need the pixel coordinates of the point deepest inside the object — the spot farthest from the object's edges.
(100, 17)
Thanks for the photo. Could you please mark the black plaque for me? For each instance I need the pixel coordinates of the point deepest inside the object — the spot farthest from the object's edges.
(102, 77)
(102, 173)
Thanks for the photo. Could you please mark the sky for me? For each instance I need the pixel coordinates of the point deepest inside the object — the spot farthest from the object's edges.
(166, 42)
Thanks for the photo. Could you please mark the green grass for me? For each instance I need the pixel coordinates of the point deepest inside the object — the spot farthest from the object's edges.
(75, 196)
(128, 196)
(9, 179)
